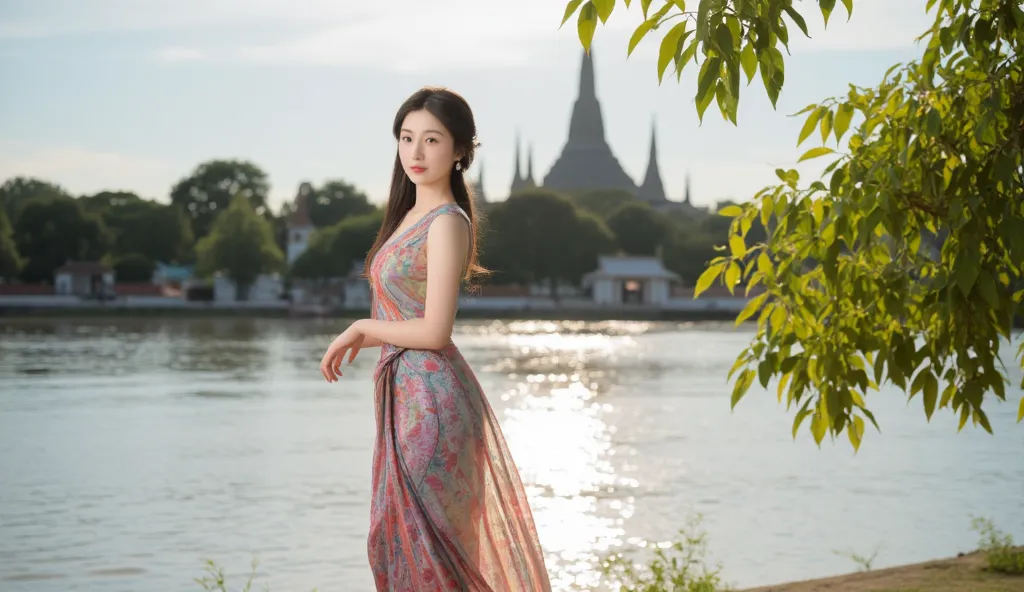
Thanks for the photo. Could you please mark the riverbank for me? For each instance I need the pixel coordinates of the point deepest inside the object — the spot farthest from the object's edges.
(966, 573)
(505, 314)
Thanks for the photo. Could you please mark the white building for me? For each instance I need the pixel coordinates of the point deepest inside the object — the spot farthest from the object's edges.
(84, 278)
(267, 289)
(300, 226)
(630, 280)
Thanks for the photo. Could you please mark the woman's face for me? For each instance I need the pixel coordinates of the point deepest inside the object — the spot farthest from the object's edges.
(426, 149)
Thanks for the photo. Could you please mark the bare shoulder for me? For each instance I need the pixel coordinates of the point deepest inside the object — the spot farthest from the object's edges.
(451, 226)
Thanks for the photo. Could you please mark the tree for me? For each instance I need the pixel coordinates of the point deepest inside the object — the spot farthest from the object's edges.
(159, 231)
(332, 251)
(539, 236)
(10, 260)
(638, 229)
(336, 201)
(212, 185)
(52, 231)
(602, 202)
(857, 291)
(18, 191)
(134, 267)
(240, 244)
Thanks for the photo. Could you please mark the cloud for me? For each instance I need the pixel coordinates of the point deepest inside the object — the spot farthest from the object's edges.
(86, 171)
(55, 18)
(179, 54)
(406, 37)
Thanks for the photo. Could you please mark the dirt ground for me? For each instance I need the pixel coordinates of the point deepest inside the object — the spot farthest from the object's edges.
(957, 574)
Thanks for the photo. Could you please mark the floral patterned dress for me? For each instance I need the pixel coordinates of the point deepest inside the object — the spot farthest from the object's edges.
(449, 511)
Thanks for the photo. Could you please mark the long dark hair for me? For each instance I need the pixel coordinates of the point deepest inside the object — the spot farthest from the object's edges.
(454, 113)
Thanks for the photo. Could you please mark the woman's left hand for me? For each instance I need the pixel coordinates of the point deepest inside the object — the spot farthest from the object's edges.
(348, 342)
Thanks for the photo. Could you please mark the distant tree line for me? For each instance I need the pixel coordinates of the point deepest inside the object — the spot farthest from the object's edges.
(218, 218)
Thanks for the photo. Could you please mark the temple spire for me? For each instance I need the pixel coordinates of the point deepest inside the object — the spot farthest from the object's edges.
(529, 167)
(586, 161)
(587, 87)
(586, 128)
(652, 190)
(686, 196)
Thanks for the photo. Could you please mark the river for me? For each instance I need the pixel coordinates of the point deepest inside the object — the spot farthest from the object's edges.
(133, 450)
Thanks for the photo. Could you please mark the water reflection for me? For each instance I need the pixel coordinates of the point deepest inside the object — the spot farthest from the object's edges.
(559, 433)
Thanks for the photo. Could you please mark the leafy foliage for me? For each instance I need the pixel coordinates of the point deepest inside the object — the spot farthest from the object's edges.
(333, 250)
(998, 547)
(679, 566)
(209, 189)
(50, 231)
(638, 229)
(903, 264)
(538, 236)
(10, 259)
(241, 244)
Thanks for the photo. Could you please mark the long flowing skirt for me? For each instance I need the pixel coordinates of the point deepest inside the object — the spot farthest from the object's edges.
(449, 511)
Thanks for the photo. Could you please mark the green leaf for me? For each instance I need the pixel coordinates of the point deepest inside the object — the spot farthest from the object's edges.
(730, 211)
(743, 383)
(966, 268)
(638, 35)
(723, 36)
(707, 278)
(931, 393)
(586, 25)
(810, 124)
(604, 8)
(844, 114)
(799, 20)
(815, 153)
(799, 419)
(670, 45)
(732, 276)
(1020, 411)
(570, 9)
(819, 425)
(749, 61)
(849, 9)
(709, 73)
(764, 264)
(982, 418)
(855, 430)
(826, 9)
(764, 372)
(737, 246)
(988, 289)
(753, 305)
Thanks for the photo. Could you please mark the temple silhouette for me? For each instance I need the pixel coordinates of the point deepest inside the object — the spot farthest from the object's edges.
(587, 162)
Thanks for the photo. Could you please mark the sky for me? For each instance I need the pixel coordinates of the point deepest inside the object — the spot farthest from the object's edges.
(133, 94)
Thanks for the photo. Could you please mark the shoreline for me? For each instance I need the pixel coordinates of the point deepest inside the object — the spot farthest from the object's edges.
(964, 573)
(539, 314)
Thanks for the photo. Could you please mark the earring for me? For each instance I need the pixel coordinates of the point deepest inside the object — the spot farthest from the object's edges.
(458, 166)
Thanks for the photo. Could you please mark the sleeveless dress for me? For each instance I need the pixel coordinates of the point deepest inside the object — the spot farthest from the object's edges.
(449, 511)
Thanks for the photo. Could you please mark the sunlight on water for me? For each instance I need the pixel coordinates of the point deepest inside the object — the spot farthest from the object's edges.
(562, 444)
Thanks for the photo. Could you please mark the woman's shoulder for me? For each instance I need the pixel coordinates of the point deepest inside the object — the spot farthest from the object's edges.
(450, 219)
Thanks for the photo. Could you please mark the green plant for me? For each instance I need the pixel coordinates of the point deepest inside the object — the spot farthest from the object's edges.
(863, 562)
(675, 567)
(998, 548)
(216, 581)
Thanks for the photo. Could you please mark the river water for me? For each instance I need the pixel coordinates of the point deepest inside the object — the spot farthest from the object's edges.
(133, 450)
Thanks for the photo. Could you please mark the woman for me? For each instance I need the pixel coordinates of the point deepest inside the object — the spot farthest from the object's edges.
(449, 511)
